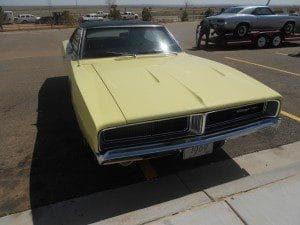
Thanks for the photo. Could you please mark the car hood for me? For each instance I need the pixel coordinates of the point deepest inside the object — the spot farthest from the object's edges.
(153, 87)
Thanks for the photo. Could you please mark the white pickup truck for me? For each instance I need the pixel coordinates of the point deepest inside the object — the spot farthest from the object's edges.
(129, 16)
(92, 17)
(102, 14)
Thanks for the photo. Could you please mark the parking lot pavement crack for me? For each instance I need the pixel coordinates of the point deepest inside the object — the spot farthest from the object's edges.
(209, 196)
(255, 188)
(236, 213)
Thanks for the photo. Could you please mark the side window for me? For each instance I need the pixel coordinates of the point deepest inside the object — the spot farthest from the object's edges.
(266, 11)
(75, 40)
(263, 11)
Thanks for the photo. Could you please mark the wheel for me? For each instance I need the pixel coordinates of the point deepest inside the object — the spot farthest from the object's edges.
(24, 21)
(261, 41)
(276, 41)
(198, 44)
(241, 30)
(288, 28)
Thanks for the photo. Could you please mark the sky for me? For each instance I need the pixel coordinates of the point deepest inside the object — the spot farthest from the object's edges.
(148, 2)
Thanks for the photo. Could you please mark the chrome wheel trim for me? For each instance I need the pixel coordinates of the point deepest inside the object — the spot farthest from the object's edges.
(288, 28)
(276, 41)
(242, 31)
(261, 42)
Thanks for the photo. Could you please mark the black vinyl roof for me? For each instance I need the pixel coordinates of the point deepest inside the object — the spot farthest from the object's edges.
(114, 23)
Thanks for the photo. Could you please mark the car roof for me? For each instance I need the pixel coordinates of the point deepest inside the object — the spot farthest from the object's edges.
(116, 23)
(250, 6)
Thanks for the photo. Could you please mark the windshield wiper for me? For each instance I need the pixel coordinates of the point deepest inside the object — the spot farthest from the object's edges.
(119, 54)
(157, 52)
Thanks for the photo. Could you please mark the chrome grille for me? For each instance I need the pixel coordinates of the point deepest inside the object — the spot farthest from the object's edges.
(144, 133)
(236, 117)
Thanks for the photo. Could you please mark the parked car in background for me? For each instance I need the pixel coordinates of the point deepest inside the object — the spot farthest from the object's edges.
(241, 19)
(46, 20)
(92, 17)
(9, 17)
(102, 14)
(129, 16)
(27, 18)
(137, 95)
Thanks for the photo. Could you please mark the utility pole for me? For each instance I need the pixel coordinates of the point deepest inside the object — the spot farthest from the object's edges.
(49, 7)
(77, 11)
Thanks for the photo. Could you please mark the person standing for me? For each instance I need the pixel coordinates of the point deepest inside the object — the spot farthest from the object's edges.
(204, 31)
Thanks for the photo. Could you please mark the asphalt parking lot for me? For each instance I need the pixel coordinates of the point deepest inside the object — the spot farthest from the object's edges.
(42, 160)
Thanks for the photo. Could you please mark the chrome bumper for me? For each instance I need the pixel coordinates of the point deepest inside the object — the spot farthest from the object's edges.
(160, 149)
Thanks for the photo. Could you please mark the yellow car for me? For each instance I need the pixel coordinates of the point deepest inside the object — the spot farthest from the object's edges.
(137, 95)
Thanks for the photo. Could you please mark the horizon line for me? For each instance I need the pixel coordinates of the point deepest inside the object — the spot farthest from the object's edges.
(174, 5)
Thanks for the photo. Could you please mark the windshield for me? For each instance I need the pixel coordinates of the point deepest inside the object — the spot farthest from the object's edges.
(120, 41)
(233, 10)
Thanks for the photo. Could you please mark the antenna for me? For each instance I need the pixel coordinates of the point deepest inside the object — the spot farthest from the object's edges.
(268, 2)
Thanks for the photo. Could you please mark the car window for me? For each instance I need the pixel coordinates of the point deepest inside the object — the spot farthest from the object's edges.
(75, 40)
(263, 11)
(233, 10)
(109, 42)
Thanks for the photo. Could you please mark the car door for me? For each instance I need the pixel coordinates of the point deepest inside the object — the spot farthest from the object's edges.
(264, 18)
(27, 18)
(32, 18)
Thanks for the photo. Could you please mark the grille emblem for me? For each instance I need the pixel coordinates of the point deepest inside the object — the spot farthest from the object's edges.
(196, 123)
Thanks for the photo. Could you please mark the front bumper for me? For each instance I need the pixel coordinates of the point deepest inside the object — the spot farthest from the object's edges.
(161, 149)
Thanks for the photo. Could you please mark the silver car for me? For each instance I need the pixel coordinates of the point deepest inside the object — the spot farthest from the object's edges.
(241, 19)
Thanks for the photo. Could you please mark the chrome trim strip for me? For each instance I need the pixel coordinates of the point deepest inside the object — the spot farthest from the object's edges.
(142, 152)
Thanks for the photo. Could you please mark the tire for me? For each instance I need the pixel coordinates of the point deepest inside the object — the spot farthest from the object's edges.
(198, 44)
(261, 41)
(241, 30)
(276, 41)
(24, 21)
(288, 28)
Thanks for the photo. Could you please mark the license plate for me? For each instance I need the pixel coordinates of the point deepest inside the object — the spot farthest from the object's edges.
(197, 151)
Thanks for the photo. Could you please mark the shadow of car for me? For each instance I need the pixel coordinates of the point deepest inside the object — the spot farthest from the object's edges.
(61, 168)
